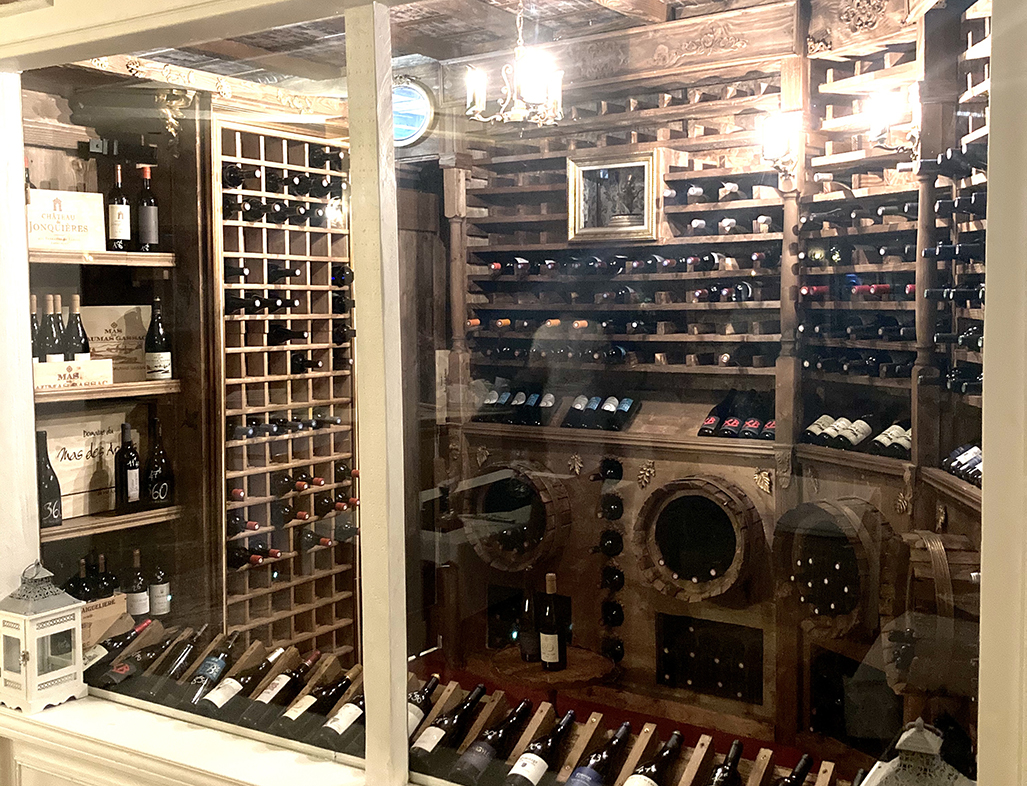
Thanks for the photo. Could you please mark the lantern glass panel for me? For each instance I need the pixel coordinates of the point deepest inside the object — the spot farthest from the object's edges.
(12, 655)
(55, 652)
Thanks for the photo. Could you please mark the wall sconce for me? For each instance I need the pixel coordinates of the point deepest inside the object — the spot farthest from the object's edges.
(885, 110)
(782, 134)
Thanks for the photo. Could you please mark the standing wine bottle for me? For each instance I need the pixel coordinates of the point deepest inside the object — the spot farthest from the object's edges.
(119, 216)
(494, 744)
(97, 658)
(174, 666)
(727, 773)
(159, 592)
(540, 755)
(310, 711)
(655, 771)
(158, 346)
(527, 628)
(209, 672)
(797, 776)
(278, 694)
(106, 581)
(136, 593)
(230, 693)
(447, 730)
(80, 586)
(160, 481)
(126, 472)
(51, 349)
(75, 341)
(149, 236)
(48, 489)
(552, 636)
(34, 328)
(600, 768)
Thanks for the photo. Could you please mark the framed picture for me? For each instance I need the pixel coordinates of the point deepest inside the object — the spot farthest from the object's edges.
(612, 197)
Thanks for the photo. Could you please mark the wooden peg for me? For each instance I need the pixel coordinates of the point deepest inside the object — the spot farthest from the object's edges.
(700, 763)
(762, 768)
(825, 776)
(541, 723)
(583, 741)
(641, 747)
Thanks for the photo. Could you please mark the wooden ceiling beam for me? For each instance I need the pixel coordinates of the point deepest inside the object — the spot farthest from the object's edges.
(261, 58)
(407, 42)
(650, 11)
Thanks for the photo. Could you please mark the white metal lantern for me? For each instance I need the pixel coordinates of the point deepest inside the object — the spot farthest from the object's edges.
(40, 644)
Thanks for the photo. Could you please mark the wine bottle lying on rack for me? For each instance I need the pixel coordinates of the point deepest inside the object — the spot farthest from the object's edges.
(208, 674)
(600, 768)
(494, 744)
(344, 730)
(277, 695)
(656, 770)
(309, 712)
(541, 755)
(445, 732)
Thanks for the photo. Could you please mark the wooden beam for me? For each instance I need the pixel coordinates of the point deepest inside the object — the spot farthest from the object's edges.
(407, 42)
(272, 61)
(650, 11)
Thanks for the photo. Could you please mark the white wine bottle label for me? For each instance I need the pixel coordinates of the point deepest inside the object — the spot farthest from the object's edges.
(299, 707)
(429, 739)
(92, 655)
(273, 688)
(491, 397)
(639, 780)
(344, 718)
(138, 602)
(889, 435)
(580, 403)
(966, 458)
(836, 427)
(610, 405)
(148, 224)
(530, 767)
(132, 487)
(158, 365)
(519, 399)
(414, 717)
(119, 222)
(856, 432)
(905, 441)
(160, 599)
(222, 693)
(550, 647)
(549, 400)
(817, 427)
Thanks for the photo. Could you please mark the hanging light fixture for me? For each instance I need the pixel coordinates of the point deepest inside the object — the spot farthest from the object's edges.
(532, 86)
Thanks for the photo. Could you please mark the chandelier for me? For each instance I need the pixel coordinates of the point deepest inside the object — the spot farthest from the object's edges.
(532, 87)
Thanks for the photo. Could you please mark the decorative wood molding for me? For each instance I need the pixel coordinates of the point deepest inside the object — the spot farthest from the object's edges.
(840, 28)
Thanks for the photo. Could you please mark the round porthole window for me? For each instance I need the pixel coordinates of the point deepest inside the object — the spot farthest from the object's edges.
(413, 112)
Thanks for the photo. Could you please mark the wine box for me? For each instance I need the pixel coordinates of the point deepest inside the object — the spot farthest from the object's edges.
(118, 334)
(65, 221)
(98, 617)
(72, 374)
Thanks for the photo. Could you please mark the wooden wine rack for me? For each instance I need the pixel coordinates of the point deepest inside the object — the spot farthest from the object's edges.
(305, 597)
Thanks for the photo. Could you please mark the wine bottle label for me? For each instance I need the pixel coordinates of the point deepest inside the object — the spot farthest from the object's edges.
(889, 435)
(429, 739)
(817, 427)
(639, 780)
(299, 707)
(753, 424)
(160, 599)
(505, 397)
(593, 403)
(477, 758)
(115, 675)
(967, 457)
(132, 486)
(414, 717)
(857, 431)
(148, 224)
(530, 767)
(610, 405)
(518, 400)
(52, 515)
(625, 404)
(550, 647)
(159, 491)
(138, 603)
(548, 400)
(119, 222)
(836, 427)
(344, 718)
(273, 688)
(92, 655)
(158, 365)
(55, 358)
(491, 397)
(580, 402)
(905, 441)
(711, 420)
(532, 400)
(222, 693)
(585, 776)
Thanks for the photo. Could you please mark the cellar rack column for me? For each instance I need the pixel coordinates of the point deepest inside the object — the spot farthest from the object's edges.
(18, 520)
(374, 246)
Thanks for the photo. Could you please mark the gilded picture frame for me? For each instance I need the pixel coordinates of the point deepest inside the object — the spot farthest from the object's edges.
(613, 197)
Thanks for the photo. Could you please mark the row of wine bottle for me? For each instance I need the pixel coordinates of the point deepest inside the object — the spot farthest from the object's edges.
(144, 594)
(268, 177)
(128, 232)
(341, 274)
(871, 362)
(275, 427)
(966, 462)
(858, 434)
(836, 254)
(275, 211)
(280, 483)
(618, 355)
(747, 415)
(274, 302)
(616, 264)
(53, 341)
(283, 514)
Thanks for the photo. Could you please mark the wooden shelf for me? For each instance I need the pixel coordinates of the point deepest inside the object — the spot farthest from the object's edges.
(321, 631)
(679, 241)
(841, 270)
(290, 407)
(868, 195)
(698, 275)
(116, 258)
(953, 488)
(979, 51)
(887, 383)
(893, 78)
(859, 161)
(640, 368)
(585, 308)
(969, 313)
(542, 192)
(733, 173)
(869, 305)
(978, 225)
(283, 585)
(100, 523)
(851, 459)
(627, 338)
(846, 343)
(272, 498)
(978, 93)
(285, 226)
(305, 434)
(979, 135)
(117, 390)
(968, 356)
(259, 163)
(516, 223)
(753, 206)
(292, 611)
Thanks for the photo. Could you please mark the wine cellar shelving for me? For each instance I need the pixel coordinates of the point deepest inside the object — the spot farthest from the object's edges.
(303, 593)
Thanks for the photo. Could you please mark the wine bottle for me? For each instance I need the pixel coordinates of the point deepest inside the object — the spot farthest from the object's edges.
(174, 666)
(552, 633)
(160, 480)
(159, 591)
(493, 745)
(855, 434)
(600, 768)
(726, 774)
(753, 426)
(119, 216)
(149, 235)
(277, 695)
(612, 614)
(311, 710)
(228, 696)
(278, 334)
(236, 523)
(419, 704)
(273, 181)
(590, 414)
(654, 772)
(299, 364)
(311, 540)
(135, 588)
(576, 412)
(717, 415)
(611, 543)
(126, 472)
(48, 488)
(446, 731)
(612, 648)
(329, 157)
(34, 328)
(80, 586)
(541, 755)
(527, 628)
(233, 176)
(343, 730)
(98, 657)
(740, 411)
(107, 582)
(209, 673)
(75, 341)
(131, 665)
(611, 578)
(798, 775)
(49, 339)
(158, 346)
